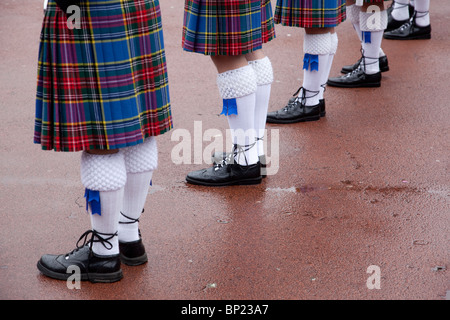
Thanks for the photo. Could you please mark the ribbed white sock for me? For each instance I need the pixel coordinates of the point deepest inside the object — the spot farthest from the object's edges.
(422, 8)
(326, 73)
(264, 78)
(140, 161)
(320, 45)
(105, 174)
(107, 223)
(240, 86)
(401, 10)
(243, 131)
(135, 195)
(371, 47)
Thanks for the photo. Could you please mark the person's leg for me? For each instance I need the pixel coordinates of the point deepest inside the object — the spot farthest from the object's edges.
(422, 13)
(264, 78)
(353, 12)
(318, 43)
(318, 48)
(368, 71)
(399, 14)
(103, 174)
(372, 35)
(140, 161)
(237, 85)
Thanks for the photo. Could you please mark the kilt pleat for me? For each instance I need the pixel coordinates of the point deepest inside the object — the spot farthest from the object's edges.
(310, 13)
(105, 85)
(234, 27)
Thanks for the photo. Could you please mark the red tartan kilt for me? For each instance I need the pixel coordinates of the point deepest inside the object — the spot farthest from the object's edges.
(105, 85)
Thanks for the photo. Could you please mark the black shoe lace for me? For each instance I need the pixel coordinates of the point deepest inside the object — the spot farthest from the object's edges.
(362, 66)
(303, 97)
(231, 157)
(96, 236)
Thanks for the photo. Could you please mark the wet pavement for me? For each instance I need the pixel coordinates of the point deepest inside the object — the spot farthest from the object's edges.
(358, 209)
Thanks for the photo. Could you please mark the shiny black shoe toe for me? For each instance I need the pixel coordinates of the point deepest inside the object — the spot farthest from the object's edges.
(296, 111)
(226, 175)
(90, 266)
(409, 31)
(356, 79)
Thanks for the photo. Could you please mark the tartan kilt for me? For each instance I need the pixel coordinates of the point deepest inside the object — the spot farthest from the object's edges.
(310, 13)
(233, 27)
(104, 85)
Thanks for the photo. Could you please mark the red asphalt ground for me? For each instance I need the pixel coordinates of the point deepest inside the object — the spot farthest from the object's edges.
(367, 185)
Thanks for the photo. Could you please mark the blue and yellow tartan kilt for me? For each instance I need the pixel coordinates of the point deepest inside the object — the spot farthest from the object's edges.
(232, 27)
(104, 85)
(310, 13)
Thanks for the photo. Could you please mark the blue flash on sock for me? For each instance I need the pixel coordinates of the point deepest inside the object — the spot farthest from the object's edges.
(93, 199)
(311, 62)
(367, 36)
(229, 107)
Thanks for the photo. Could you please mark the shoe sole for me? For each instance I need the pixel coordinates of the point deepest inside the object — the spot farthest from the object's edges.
(315, 118)
(134, 261)
(249, 181)
(362, 85)
(92, 277)
(421, 37)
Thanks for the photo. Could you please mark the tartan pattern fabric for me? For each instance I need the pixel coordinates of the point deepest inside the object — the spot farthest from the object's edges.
(105, 85)
(310, 13)
(232, 27)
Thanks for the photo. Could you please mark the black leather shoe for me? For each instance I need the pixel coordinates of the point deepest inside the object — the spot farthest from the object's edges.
(391, 8)
(92, 267)
(322, 108)
(133, 253)
(295, 111)
(356, 79)
(394, 24)
(227, 157)
(226, 175)
(409, 31)
(323, 111)
(383, 62)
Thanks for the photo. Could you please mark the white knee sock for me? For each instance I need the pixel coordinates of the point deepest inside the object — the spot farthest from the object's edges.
(107, 223)
(238, 90)
(326, 73)
(315, 46)
(372, 38)
(422, 8)
(104, 177)
(401, 10)
(140, 161)
(353, 15)
(264, 78)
